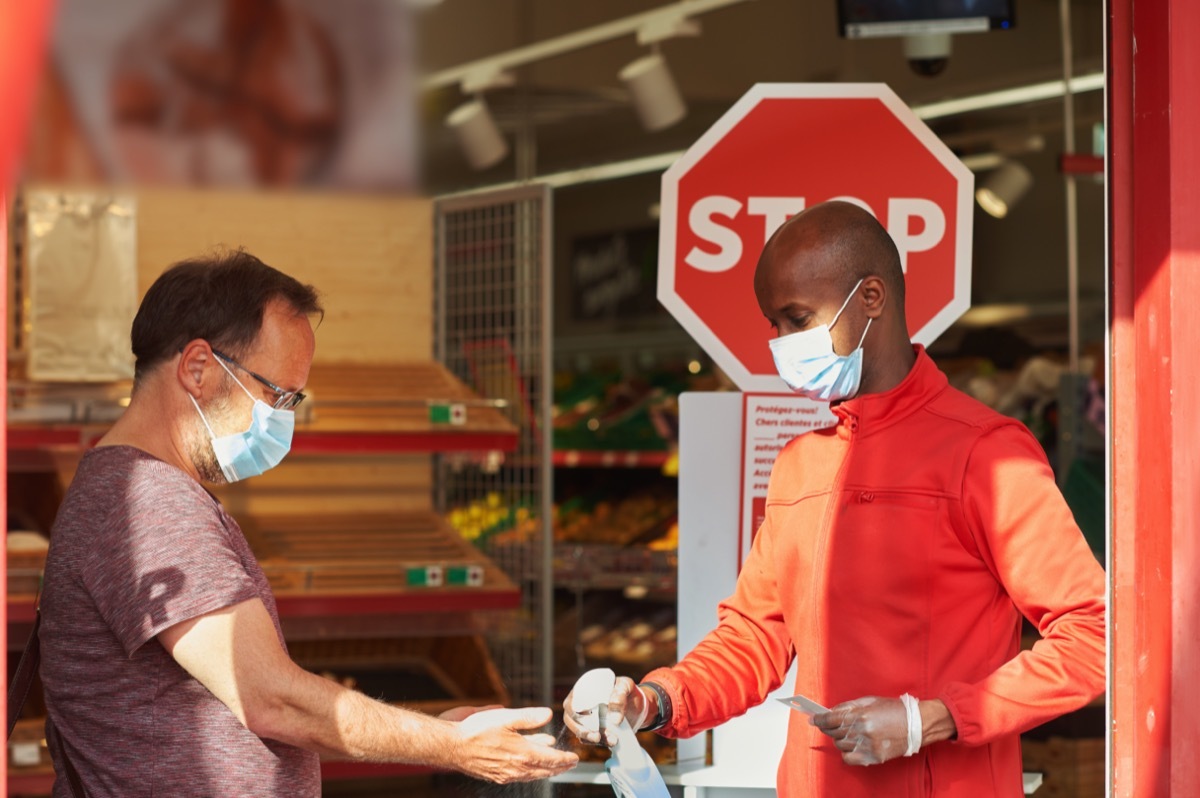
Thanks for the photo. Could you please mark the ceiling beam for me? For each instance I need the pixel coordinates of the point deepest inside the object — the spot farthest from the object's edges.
(1018, 95)
(495, 65)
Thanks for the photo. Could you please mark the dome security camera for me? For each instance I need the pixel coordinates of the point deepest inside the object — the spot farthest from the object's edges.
(928, 54)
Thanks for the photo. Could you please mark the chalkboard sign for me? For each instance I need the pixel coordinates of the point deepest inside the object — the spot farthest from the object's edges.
(613, 276)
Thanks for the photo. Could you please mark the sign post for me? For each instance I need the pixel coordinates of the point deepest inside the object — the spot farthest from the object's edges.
(778, 150)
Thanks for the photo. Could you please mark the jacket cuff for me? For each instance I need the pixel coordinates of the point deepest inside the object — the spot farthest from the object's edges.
(959, 699)
(677, 724)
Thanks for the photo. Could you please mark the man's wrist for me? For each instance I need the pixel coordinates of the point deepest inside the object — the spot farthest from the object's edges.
(937, 723)
(662, 704)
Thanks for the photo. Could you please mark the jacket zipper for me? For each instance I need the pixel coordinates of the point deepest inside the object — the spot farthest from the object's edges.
(819, 562)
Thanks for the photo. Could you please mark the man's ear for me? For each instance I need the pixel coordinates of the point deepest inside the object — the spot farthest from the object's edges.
(874, 294)
(192, 370)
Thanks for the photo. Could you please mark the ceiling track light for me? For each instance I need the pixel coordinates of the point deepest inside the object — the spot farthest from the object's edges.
(472, 122)
(1004, 188)
(478, 134)
(656, 96)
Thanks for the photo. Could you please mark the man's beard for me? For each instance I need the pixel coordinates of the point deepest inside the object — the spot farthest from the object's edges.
(200, 449)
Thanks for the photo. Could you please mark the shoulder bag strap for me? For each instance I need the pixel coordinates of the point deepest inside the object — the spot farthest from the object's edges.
(27, 668)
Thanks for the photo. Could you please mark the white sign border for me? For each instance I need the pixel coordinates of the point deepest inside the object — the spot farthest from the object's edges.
(667, 259)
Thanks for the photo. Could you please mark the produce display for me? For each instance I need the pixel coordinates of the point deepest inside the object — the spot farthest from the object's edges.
(640, 517)
(493, 517)
(597, 411)
(647, 517)
(647, 642)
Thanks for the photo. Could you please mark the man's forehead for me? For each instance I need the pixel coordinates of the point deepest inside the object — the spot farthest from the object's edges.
(286, 339)
(801, 268)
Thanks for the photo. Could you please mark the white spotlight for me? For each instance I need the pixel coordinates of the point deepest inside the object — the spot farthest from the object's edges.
(1004, 188)
(655, 95)
(478, 134)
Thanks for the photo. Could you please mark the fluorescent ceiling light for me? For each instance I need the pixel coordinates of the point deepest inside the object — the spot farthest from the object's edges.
(1034, 92)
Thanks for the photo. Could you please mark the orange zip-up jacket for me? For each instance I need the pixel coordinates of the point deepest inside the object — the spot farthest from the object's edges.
(899, 551)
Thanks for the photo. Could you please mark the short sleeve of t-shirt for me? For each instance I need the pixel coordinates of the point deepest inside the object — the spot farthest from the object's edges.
(165, 557)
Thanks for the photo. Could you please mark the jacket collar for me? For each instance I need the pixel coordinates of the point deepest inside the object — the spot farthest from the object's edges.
(870, 413)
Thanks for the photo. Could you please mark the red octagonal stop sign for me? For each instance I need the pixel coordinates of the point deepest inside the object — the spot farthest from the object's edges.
(784, 147)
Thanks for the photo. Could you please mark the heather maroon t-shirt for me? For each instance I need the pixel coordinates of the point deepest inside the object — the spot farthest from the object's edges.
(138, 547)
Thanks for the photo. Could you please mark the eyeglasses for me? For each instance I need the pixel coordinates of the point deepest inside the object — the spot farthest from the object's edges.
(284, 399)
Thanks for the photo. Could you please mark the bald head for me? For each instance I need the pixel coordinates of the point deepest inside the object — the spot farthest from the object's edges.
(837, 242)
(834, 264)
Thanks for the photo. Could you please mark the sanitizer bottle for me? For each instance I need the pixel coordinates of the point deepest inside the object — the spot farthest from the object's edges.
(630, 769)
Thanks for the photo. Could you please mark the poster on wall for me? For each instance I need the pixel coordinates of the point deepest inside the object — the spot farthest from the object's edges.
(770, 422)
(82, 284)
(242, 92)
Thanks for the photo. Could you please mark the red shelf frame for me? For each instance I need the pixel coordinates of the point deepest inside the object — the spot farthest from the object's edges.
(20, 611)
(335, 604)
(402, 442)
(1075, 164)
(573, 458)
(30, 783)
(43, 783)
(408, 603)
(23, 439)
(335, 771)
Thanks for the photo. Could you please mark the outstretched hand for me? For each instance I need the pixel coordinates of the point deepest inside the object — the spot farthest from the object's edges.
(493, 747)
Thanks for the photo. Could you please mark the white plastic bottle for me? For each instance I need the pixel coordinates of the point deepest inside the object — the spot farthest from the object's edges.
(630, 769)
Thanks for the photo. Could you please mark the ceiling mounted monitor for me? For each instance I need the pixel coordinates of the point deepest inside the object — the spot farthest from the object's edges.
(860, 19)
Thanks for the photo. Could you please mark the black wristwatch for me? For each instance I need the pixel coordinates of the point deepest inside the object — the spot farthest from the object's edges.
(662, 716)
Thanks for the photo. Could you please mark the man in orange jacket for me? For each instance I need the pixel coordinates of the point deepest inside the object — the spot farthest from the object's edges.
(902, 546)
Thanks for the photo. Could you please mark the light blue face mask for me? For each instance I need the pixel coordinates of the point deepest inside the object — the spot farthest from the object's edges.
(261, 447)
(807, 363)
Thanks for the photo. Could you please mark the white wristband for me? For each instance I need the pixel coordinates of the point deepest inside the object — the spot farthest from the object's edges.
(915, 732)
(648, 698)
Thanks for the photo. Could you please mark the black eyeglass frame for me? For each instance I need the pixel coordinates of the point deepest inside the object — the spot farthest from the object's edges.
(286, 400)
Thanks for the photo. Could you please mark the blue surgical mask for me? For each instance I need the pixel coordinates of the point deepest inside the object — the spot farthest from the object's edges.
(261, 447)
(807, 363)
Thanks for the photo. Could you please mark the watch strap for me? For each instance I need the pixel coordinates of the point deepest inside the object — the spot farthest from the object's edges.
(663, 715)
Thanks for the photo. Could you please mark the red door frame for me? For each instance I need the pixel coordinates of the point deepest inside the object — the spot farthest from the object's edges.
(4, 466)
(24, 27)
(1154, 202)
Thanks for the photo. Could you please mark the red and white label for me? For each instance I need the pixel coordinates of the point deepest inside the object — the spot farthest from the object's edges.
(769, 423)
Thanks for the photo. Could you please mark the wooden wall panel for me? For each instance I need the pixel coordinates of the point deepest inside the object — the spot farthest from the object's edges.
(370, 256)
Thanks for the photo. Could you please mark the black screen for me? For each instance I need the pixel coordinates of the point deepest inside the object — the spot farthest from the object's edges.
(902, 17)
